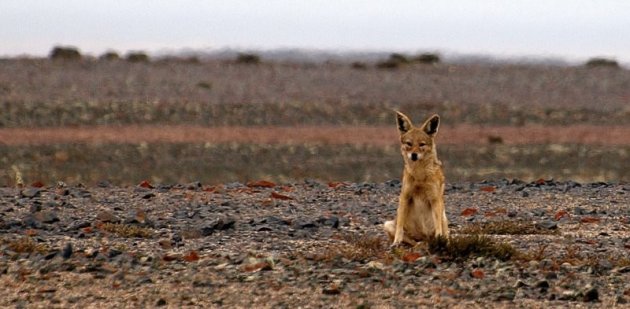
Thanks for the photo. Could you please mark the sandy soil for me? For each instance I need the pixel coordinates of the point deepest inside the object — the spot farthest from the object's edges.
(362, 135)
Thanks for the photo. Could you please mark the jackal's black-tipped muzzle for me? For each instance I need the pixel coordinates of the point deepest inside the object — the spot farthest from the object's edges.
(414, 156)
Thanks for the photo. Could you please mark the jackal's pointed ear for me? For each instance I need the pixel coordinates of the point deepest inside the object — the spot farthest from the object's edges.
(404, 124)
(431, 125)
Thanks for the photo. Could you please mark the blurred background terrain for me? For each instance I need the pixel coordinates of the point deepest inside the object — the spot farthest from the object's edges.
(220, 92)
(212, 120)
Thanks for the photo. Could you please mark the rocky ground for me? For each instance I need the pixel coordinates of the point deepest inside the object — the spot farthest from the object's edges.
(310, 244)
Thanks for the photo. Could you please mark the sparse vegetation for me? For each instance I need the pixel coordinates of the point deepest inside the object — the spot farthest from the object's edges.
(427, 58)
(66, 53)
(110, 56)
(137, 57)
(359, 65)
(126, 230)
(394, 61)
(247, 58)
(25, 244)
(356, 247)
(507, 227)
(466, 246)
(602, 62)
(204, 85)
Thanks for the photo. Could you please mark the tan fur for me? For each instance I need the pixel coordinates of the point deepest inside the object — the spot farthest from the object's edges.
(421, 212)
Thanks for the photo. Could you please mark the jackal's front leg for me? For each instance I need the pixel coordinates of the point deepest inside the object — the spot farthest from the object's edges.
(401, 218)
(439, 217)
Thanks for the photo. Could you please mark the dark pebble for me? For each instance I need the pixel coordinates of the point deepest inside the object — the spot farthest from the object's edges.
(107, 216)
(46, 217)
(161, 302)
(550, 225)
(330, 222)
(66, 253)
(113, 253)
(30, 192)
(194, 185)
(148, 195)
(591, 295)
(104, 184)
(78, 225)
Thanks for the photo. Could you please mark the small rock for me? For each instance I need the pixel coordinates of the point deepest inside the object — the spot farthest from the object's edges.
(30, 192)
(304, 224)
(106, 216)
(519, 284)
(46, 216)
(149, 195)
(543, 285)
(591, 295)
(160, 302)
(330, 222)
(549, 225)
(568, 295)
(66, 253)
(332, 289)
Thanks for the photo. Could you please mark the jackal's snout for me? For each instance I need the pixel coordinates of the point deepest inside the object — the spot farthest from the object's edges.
(413, 156)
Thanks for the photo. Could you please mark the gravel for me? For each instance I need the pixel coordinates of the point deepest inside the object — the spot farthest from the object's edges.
(306, 244)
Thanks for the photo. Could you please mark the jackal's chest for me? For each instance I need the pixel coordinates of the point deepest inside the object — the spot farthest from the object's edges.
(420, 220)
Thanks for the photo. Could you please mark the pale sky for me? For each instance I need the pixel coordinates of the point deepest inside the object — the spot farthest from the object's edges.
(569, 29)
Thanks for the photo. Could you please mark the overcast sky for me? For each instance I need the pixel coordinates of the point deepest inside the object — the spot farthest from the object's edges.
(570, 29)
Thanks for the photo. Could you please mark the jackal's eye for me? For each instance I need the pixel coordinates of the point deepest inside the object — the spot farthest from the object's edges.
(408, 144)
(422, 144)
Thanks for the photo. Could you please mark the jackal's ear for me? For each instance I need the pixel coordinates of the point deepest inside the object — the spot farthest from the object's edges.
(431, 125)
(404, 124)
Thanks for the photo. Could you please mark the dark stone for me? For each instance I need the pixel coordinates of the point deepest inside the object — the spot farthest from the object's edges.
(538, 212)
(304, 224)
(114, 253)
(330, 222)
(46, 217)
(148, 195)
(107, 216)
(220, 224)
(263, 228)
(81, 193)
(194, 185)
(104, 184)
(30, 192)
(525, 194)
(66, 253)
(78, 225)
(591, 295)
(579, 211)
(51, 255)
(160, 302)
(549, 225)
(551, 275)
(35, 207)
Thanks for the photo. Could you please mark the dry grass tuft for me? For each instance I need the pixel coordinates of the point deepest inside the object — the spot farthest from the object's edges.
(137, 57)
(602, 62)
(465, 246)
(126, 230)
(507, 228)
(68, 53)
(356, 247)
(25, 245)
(247, 58)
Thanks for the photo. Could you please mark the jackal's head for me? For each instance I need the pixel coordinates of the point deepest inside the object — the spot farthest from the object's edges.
(417, 143)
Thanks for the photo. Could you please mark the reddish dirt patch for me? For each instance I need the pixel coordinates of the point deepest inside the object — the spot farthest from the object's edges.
(371, 135)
